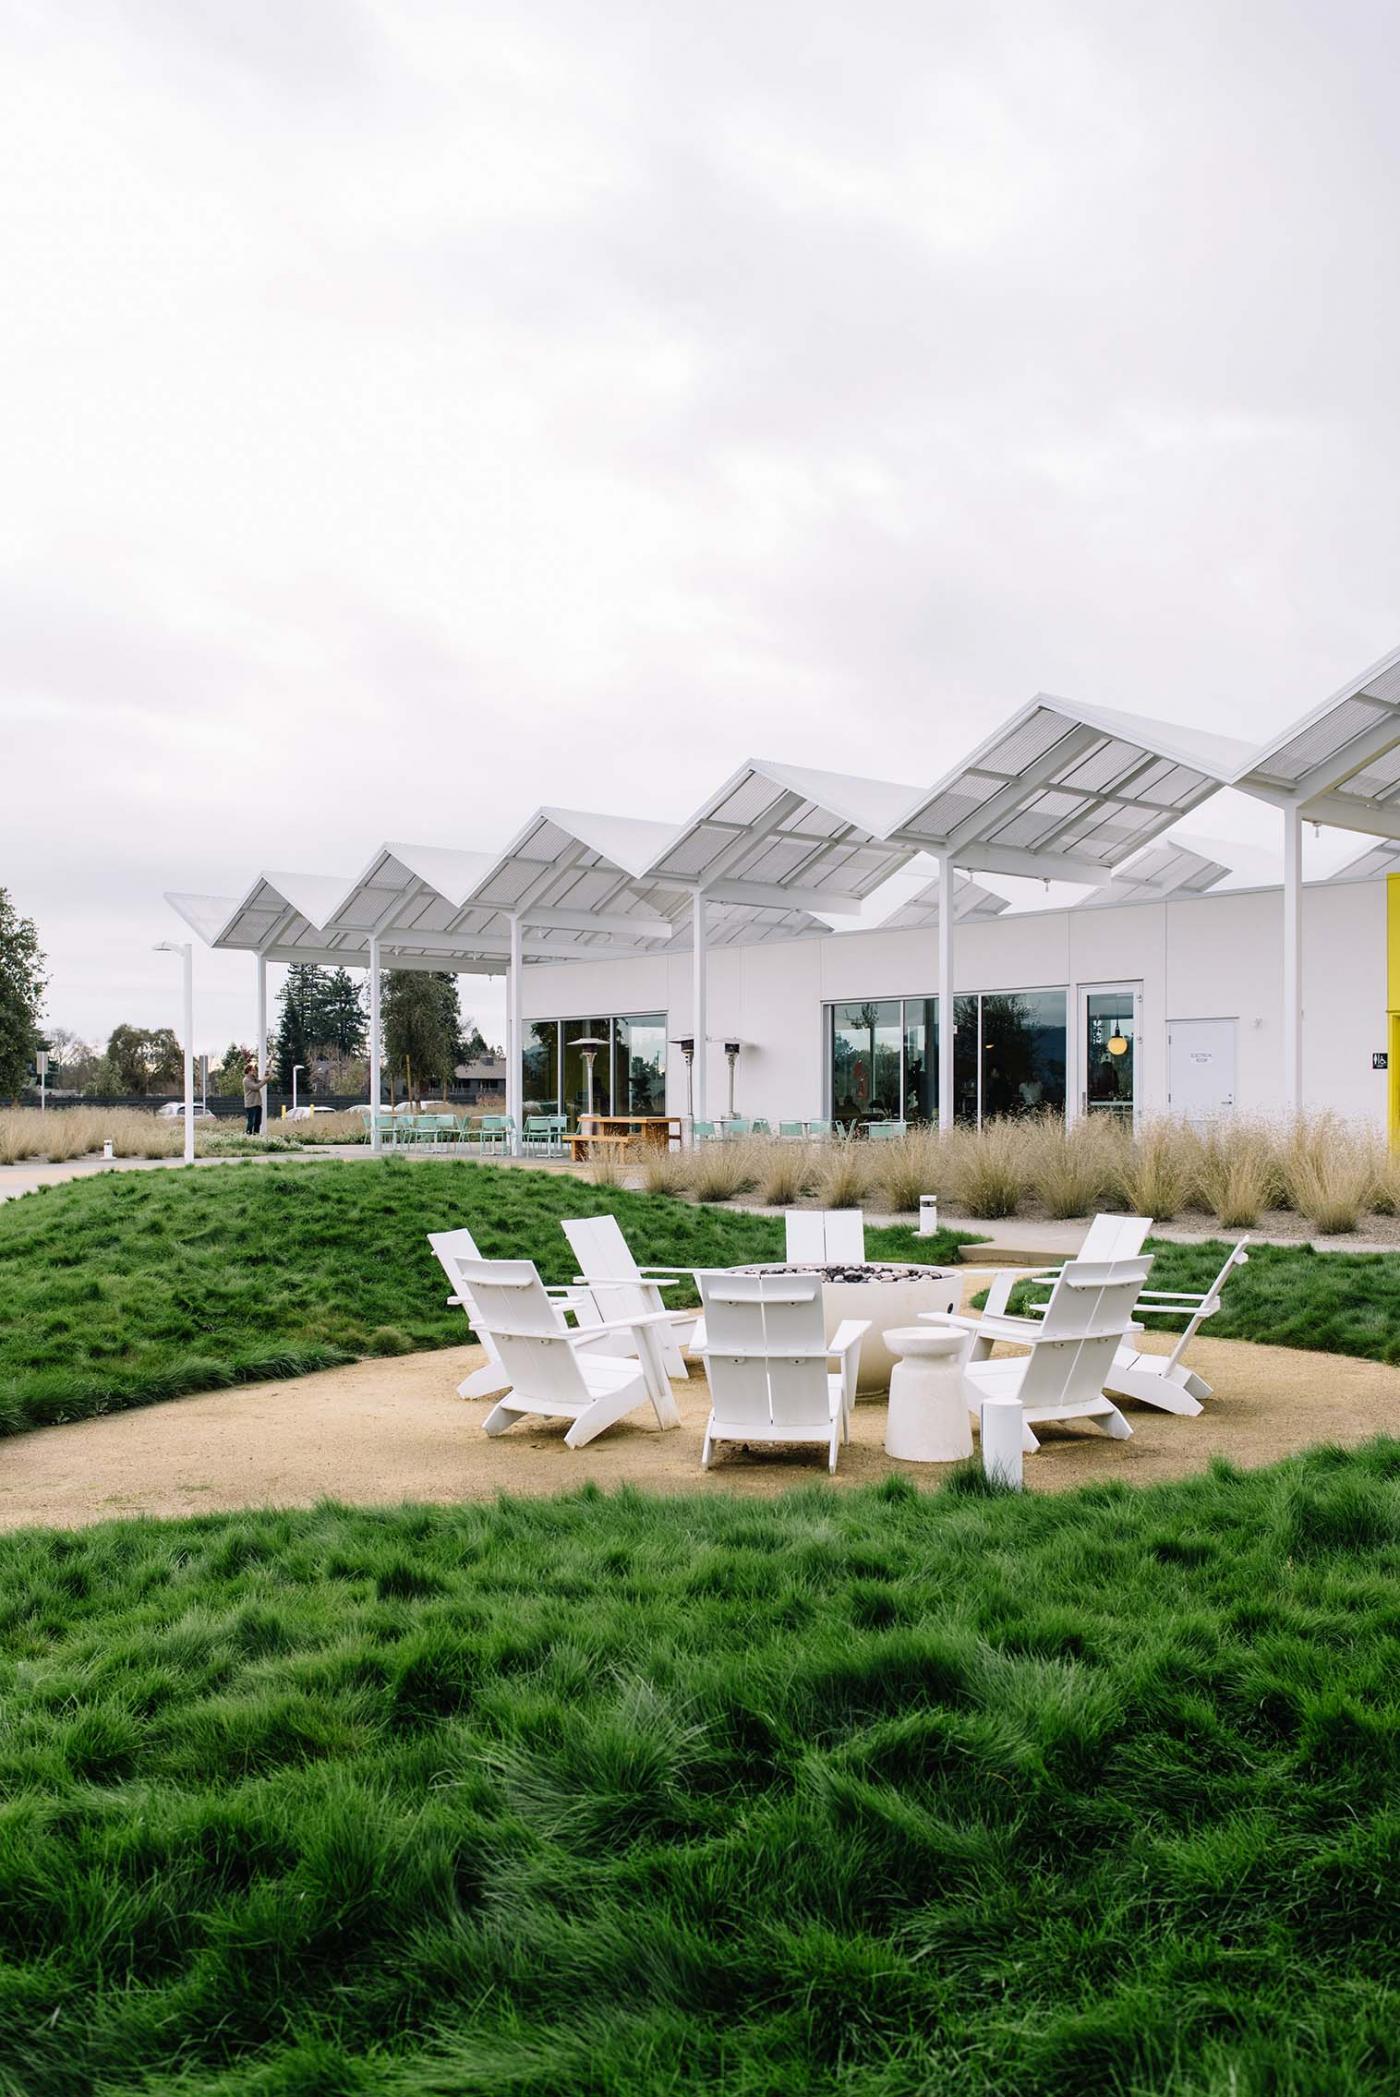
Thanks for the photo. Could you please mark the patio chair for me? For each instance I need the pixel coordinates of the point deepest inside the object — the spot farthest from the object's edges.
(453, 1250)
(819, 1128)
(1070, 1353)
(792, 1128)
(554, 1372)
(825, 1237)
(544, 1135)
(1164, 1380)
(766, 1361)
(737, 1126)
(759, 1127)
(702, 1132)
(619, 1287)
(497, 1132)
(1109, 1237)
(884, 1131)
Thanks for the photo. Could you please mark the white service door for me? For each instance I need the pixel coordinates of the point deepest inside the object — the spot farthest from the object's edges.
(1200, 1067)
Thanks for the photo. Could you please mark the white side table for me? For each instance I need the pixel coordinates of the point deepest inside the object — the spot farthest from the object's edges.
(928, 1419)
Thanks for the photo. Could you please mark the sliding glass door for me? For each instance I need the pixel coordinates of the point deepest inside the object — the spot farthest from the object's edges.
(1109, 1020)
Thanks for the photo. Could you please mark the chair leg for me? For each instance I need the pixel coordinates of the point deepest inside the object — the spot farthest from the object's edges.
(604, 1411)
(500, 1418)
(1112, 1423)
(484, 1382)
(1029, 1443)
(705, 1451)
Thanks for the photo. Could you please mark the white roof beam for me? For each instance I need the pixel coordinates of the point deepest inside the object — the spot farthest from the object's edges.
(1352, 812)
(1040, 866)
(774, 896)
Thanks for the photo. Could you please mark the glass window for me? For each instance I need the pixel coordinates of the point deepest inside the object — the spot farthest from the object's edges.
(965, 1092)
(1023, 1051)
(866, 1044)
(576, 1095)
(1110, 1042)
(540, 1068)
(921, 1059)
(641, 1063)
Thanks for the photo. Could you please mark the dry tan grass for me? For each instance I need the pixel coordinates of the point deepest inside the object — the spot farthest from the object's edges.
(1238, 1173)
(1332, 1173)
(720, 1170)
(663, 1171)
(990, 1168)
(1157, 1171)
(845, 1173)
(919, 1162)
(1073, 1168)
(785, 1172)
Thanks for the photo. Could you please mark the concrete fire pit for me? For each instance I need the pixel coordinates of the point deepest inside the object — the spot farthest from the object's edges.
(887, 1294)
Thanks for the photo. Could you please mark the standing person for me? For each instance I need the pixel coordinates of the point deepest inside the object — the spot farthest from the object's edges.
(252, 1096)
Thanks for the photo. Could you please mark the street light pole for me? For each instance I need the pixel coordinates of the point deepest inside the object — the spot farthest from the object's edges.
(183, 948)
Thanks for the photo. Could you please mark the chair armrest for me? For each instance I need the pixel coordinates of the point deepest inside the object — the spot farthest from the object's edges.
(848, 1334)
(958, 1318)
(588, 1332)
(624, 1281)
(1170, 1296)
(454, 1303)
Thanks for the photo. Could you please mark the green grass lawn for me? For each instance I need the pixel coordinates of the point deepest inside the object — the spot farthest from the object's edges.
(612, 1797)
(1285, 1296)
(130, 1287)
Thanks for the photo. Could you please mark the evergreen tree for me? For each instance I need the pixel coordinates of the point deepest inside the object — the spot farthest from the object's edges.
(422, 1029)
(22, 982)
(296, 1000)
(342, 1027)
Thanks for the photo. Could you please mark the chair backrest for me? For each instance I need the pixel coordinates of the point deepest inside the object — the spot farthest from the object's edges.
(453, 1248)
(1112, 1237)
(759, 1126)
(530, 1336)
(1085, 1322)
(702, 1131)
(792, 1128)
(765, 1350)
(819, 1128)
(884, 1131)
(821, 1237)
(606, 1263)
(496, 1124)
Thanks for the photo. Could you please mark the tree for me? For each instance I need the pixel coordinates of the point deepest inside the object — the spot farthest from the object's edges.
(22, 985)
(422, 1028)
(292, 1042)
(144, 1059)
(226, 1077)
(341, 1026)
(75, 1065)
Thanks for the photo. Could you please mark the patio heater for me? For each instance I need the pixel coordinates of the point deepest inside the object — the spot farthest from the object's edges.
(686, 1044)
(588, 1046)
(731, 1057)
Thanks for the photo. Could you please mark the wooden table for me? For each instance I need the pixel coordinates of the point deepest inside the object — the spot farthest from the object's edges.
(618, 1131)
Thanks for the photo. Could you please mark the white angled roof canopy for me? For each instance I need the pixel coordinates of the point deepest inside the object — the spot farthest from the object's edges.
(1341, 763)
(1067, 792)
(1167, 868)
(788, 838)
(920, 912)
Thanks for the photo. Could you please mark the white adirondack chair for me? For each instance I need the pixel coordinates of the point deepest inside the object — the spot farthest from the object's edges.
(453, 1248)
(1164, 1379)
(553, 1371)
(825, 1237)
(1109, 1237)
(622, 1289)
(1071, 1348)
(767, 1357)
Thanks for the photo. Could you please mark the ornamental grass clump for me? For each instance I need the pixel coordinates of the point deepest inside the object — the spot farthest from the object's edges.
(917, 1163)
(786, 1171)
(723, 1169)
(1238, 1173)
(991, 1168)
(1332, 1174)
(1073, 1169)
(845, 1173)
(664, 1171)
(1157, 1171)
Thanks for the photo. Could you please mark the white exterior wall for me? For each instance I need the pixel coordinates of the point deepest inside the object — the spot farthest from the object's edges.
(1196, 957)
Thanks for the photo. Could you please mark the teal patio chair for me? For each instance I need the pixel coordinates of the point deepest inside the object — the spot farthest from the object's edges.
(702, 1132)
(819, 1128)
(792, 1128)
(497, 1132)
(544, 1135)
(884, 1131)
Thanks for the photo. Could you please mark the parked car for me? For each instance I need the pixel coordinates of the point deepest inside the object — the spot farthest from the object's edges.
(304, 1113)
(173, 1110)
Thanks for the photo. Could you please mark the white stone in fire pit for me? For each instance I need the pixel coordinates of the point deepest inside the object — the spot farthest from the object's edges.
(884, 1293)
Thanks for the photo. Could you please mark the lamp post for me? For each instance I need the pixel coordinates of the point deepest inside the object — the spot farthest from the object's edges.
(183, 948)
(686, 1044)
(295, 1068)
(731, 1052)
(588, 1046)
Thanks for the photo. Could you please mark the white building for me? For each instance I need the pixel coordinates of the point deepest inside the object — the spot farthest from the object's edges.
(1155, 992)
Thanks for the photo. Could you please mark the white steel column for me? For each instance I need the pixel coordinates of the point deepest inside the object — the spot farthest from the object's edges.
(699, 1016)
(187, 967)
(1293, 958)
(376, 1073)
(515, 1039)
(946, 884)
(260, 1044)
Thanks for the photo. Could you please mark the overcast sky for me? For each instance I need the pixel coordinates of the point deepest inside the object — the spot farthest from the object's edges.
(416, 411)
